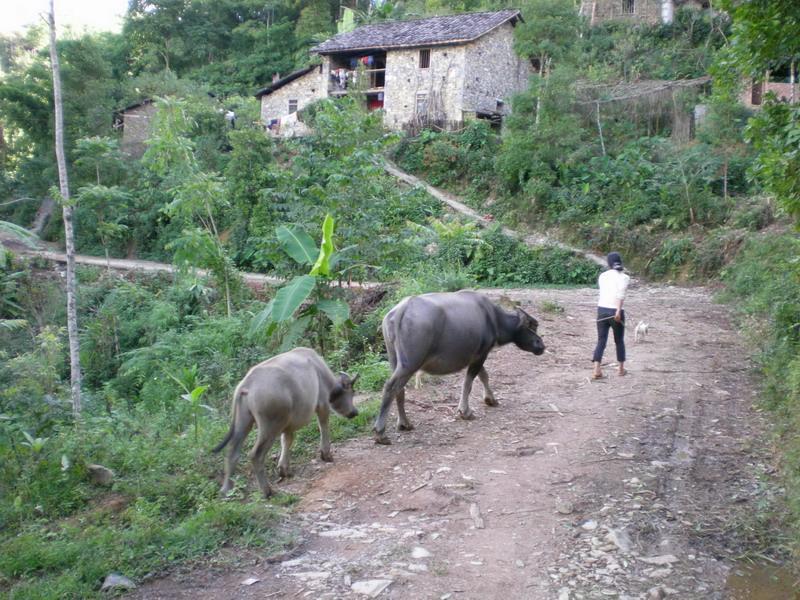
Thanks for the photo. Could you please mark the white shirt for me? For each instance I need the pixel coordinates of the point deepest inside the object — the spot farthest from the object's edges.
(613, 284)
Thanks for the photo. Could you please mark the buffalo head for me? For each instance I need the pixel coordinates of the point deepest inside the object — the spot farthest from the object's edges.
(341, 398)
(526, 336)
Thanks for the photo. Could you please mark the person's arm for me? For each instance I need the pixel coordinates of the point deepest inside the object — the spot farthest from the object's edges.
(622, 288)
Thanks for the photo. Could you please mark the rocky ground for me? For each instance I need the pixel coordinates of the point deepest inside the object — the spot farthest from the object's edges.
(627, 487)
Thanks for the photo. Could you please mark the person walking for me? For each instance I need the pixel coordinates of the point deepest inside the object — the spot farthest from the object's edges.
(613, 285)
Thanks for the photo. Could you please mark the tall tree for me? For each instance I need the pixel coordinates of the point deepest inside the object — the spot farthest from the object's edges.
(550, 33)
(69, 234)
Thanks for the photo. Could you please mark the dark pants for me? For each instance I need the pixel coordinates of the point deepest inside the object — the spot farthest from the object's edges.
(605, 321)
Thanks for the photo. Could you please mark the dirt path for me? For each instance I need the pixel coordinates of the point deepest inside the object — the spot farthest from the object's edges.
(455, 203)
(256, 280)
(623, 488)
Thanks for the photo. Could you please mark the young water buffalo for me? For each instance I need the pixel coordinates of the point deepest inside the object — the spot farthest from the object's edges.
(281, 395)
(443, 333)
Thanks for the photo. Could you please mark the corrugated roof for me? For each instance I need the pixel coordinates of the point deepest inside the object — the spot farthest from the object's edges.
(282, 82)
(433, 31)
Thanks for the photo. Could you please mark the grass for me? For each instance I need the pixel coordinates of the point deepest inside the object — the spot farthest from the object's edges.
(163, 508)
(551, 307)
(764, 286)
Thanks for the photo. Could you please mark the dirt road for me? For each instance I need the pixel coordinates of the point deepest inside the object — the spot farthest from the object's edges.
(629, 487)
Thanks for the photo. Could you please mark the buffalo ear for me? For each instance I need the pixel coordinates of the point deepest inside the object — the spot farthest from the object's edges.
(344, 378)
(526, 319)
(337, 391)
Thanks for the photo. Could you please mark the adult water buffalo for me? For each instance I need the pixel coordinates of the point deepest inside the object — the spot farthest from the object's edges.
(443, 333)
(281, 395)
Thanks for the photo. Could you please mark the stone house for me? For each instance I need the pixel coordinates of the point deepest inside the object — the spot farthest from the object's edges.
(643, 11)
(134, 121)
(437, 71)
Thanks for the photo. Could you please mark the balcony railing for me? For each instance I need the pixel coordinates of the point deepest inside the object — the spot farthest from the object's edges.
(342, 80)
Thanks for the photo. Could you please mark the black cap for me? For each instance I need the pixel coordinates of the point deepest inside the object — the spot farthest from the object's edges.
(614, 261)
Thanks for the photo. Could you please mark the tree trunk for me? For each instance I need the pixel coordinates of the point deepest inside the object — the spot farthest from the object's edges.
(69, 234)
(725, 179)
(600, 129)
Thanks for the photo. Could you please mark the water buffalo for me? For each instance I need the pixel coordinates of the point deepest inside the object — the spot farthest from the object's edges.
(281, 395)
(442, 333)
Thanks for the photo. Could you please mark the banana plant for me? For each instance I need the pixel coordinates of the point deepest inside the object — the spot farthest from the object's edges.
(189, 380)
(291, 305)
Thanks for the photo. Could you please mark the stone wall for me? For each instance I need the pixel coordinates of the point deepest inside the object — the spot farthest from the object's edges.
(648, 11)
(782, 90)
(441, 83)
(305, 89)
(493, 72)
(136, 129)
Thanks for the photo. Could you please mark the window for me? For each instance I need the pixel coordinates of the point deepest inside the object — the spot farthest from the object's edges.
(628, 7)
(292, 106)
(424, 58)
(422, 104)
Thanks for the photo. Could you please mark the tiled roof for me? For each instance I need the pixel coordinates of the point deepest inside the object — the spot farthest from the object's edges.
(283, 81)
(433, 31)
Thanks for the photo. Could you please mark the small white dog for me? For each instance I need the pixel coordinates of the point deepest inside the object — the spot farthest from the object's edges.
(640, 331)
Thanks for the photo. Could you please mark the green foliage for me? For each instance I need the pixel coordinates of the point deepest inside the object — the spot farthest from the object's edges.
(765, 33)
(764, 286)
(543, 139)
(682, 49)
(452, 159)
(551, 31)
(297, 244)
(290, 297)
(510, 263)
(337, 171)
(766, 36)
(373, 371)
(775, 134)
(60, 530)
(33, 382)
(324, 308)
(551, 306)
(322, 266)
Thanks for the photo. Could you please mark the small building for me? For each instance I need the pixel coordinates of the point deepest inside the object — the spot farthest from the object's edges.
(134, 121)
(281, 101)
(786, 90)
(641, 11)
(436, 71)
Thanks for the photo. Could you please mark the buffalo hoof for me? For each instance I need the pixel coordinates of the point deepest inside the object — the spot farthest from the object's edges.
(490, 401)
(382, 439)
(405, 427)
(326, 456)
(284, 473)
(467, 415)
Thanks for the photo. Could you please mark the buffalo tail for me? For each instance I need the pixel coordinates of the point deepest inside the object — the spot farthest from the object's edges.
(238, 394)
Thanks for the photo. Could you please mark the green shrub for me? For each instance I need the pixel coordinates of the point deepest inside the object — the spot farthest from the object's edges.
(763, 284)
(373, 370)
(506, 262)
(672, 256)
